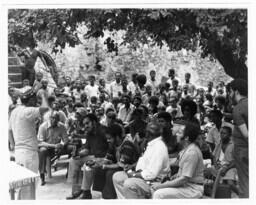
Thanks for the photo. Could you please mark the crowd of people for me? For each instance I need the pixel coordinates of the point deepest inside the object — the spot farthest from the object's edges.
(136, 139)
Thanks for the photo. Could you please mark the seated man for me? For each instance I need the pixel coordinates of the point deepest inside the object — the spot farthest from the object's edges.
(95, 147)
(188, 182)
(152, 166)
(223, 158)
(50, 135)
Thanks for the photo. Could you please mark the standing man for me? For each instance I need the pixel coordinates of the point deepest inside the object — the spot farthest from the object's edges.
(191, 87)
(152, 81)
(172, 76)
(238, 94)
(133, 84)
(91, 89)
(151, 167)
(45, 90)
(116, 87)
(30, 54)
(22, 135)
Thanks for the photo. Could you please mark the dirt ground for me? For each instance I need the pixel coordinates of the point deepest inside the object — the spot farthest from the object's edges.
(57, 188)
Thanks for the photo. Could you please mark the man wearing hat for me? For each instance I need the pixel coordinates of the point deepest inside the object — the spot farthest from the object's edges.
(22, 135)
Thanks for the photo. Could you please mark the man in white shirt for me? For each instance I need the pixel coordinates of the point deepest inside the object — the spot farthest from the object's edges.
(191, 87)
(152, 166)
(172, 76)
(133, 84)
(45, 90)
(91, 89)
(23, 137)
(152, 81)
(116, 87)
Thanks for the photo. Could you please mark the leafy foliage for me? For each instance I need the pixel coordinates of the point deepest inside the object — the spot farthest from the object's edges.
(221, 33)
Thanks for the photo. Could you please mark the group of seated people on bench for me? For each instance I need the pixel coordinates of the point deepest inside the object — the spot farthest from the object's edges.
(135, 140)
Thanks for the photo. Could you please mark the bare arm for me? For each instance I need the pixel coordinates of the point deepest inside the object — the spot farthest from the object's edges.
(44, 106)
(243, 129)
(11, 140)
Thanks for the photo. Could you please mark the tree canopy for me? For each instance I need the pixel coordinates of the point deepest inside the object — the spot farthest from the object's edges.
(221, 33)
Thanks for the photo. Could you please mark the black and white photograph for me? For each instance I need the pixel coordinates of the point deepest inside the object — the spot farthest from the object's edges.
(127, 102)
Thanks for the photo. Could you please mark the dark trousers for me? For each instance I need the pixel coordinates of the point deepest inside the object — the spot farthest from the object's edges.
(103, 182)
(28, 74)
(242, 166)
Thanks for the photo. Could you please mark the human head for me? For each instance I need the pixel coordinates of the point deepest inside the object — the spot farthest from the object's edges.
(191, 133)
(173, 101)
(114, 134)
(28, 98)
(102, 82)
(118, 77)
(51, 99)
(188, 108)
(171, 73)
(216, 116)
(126, 99)
(225, 134)
(92, 80)
(187, 77)
(90, 122)
(44, 83)
(148, 89)
(153, 130)
(25, 82)
(54, 118)
(238, 90)
(164, 119)
(68, 80)
(80, 113)
(152, 74)
(124, 82)
(134, 77)
(199, 100)
(175, 83)
(220, 101)
(210, 85)
(141, 79)
(94, 100)
(111, 117)
(153, 101)
(39, 76)
(137, 101)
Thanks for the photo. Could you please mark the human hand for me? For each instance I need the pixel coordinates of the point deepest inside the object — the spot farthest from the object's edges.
(58, 146)
(155, 186)
(223, 171)
(130, 173)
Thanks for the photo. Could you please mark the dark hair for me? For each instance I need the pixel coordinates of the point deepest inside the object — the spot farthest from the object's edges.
(165, 115)
(92, 117)
(137, 97)
(191, 131)
(78, 104)
(114, 130)
(153, 99)
(171, 70)
(141, 79)
(240, 85)
(217, 113)
(209, 97)
(191, 104)
(188, 74)
(51, 99)
(229, 129)
(221, 99)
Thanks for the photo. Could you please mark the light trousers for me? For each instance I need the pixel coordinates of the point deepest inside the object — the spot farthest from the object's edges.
(130, 188)
(30, 160)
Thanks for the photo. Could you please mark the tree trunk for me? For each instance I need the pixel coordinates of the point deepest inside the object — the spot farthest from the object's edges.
(233, 68)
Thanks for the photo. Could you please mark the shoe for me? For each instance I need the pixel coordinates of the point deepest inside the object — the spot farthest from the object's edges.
(74, 195)
(85, 195)
(42, 179)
